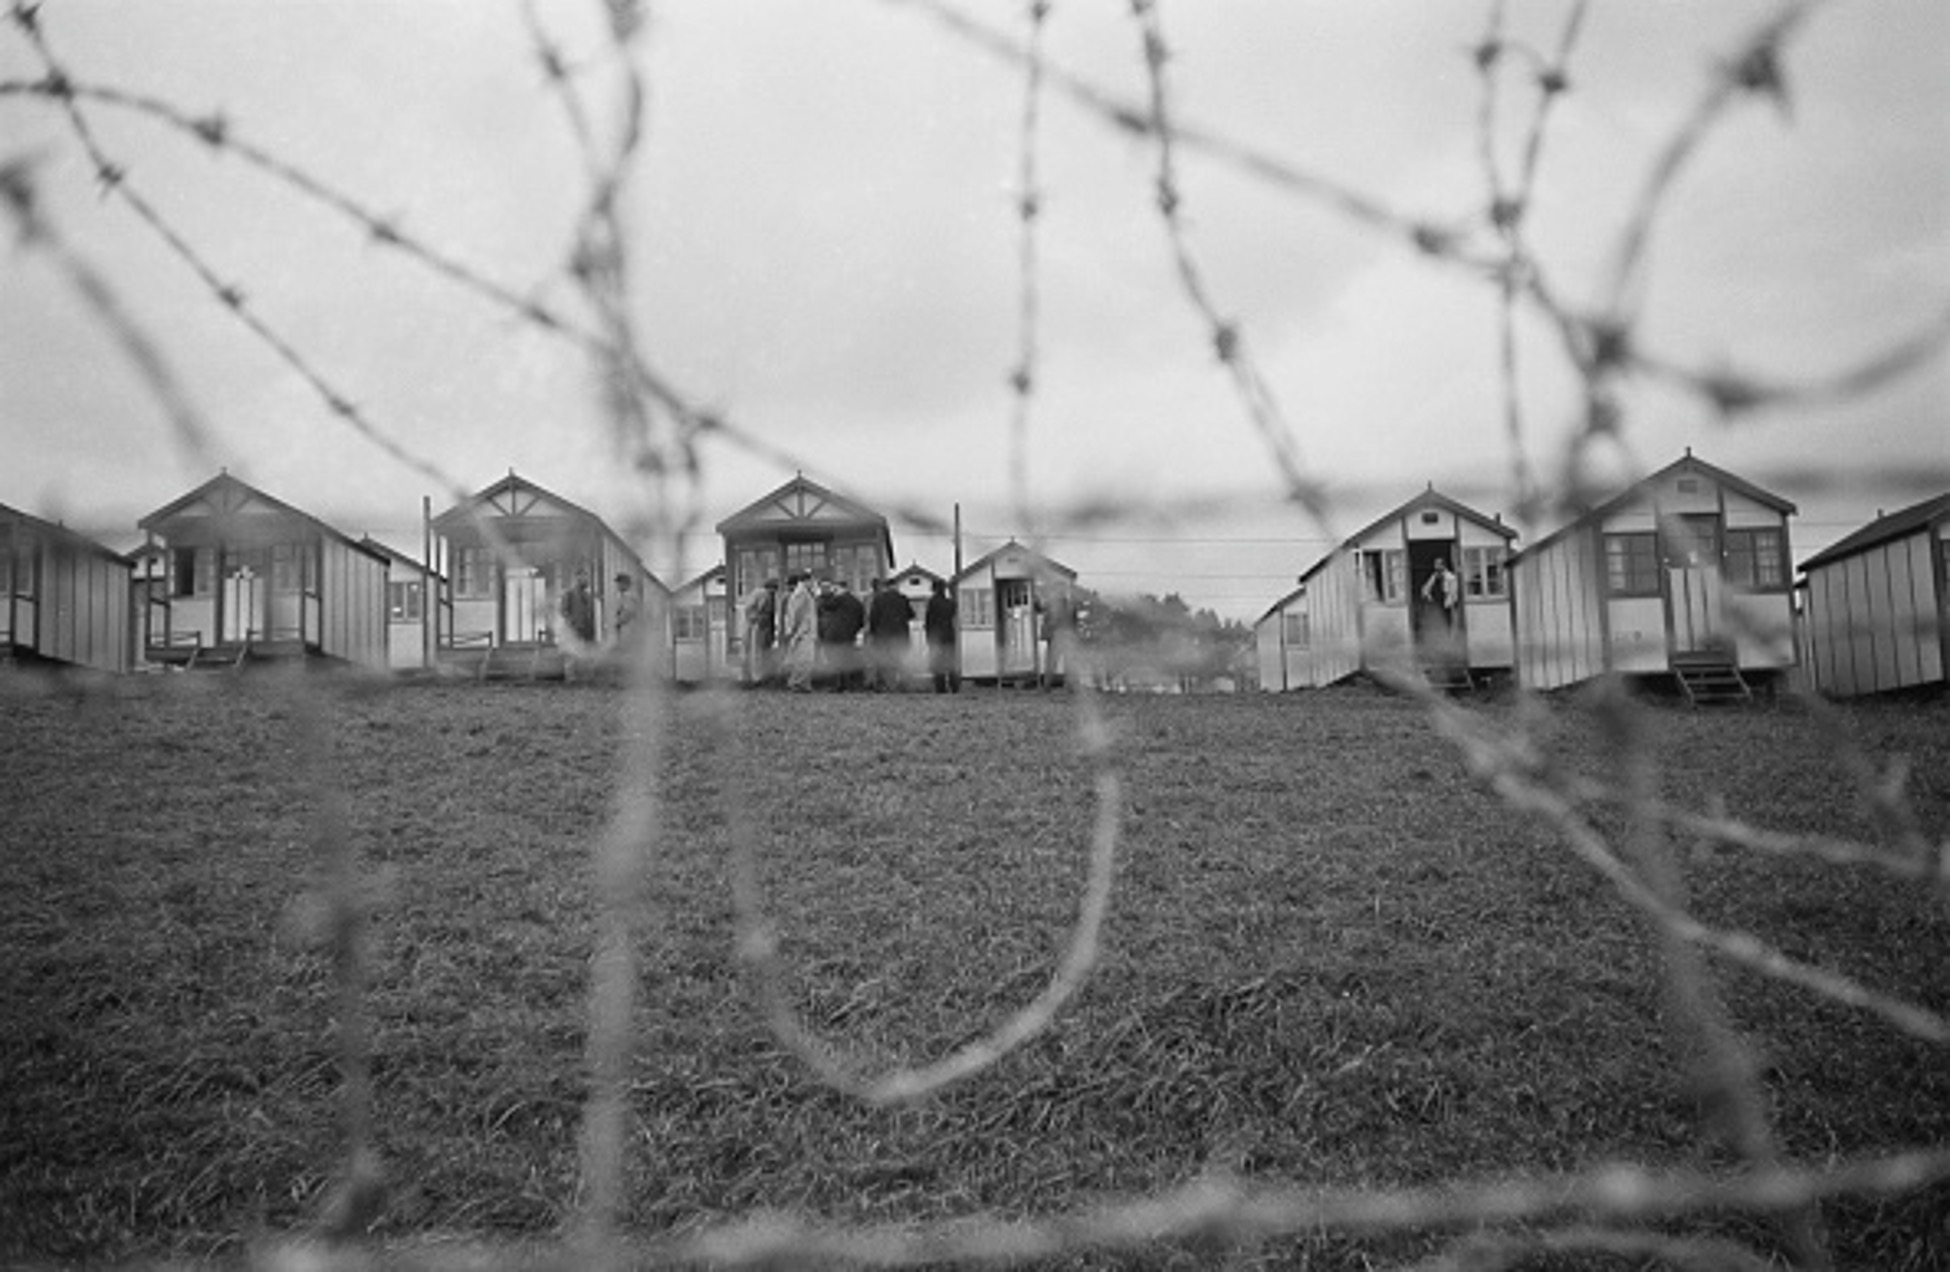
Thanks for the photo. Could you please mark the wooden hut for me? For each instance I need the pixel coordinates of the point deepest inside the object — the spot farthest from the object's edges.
(1877, 613)
(247, 576)
(915, 582)
(412, 592)
(510, 555)
(1007, 601)
(1377, 603)
(63, 597)
(701, 652)
(802, 526)
(1686, 573)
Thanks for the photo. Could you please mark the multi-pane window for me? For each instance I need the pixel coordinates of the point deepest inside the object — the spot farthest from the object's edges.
(1482, 572)
(6, 561)
(1631, 564)
(690, 623)
(285, 567)
(474, 571)
(976, 608)
(806, 555)
(1383, 574)
(404, 600)
(856, 566)
(752, 567)
(1754, 558)
(1295, 633)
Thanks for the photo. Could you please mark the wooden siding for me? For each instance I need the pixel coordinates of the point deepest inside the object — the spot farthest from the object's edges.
(1559, 624)
(1876, 620)
(353, 610)
(67, 598)
(1568, 628)
(1332, 624)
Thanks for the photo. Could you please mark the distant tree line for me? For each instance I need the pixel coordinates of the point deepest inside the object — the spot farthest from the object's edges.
(1143, 640)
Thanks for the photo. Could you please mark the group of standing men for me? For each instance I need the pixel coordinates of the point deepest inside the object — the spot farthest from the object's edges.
(810, 634)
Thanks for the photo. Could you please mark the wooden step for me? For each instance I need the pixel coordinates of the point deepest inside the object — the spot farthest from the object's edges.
(1710, 683)
(1452, 679)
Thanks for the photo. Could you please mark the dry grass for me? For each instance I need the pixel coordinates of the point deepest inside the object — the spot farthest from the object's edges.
(1334, 960)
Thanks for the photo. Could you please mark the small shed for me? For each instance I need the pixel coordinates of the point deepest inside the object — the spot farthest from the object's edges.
(1686, 573)
(247, 576)
(700, 628)
(63, 597)
(802, 526)
(1877, 613)
(412, 590)
(510, 555)
(915, 583)
(1008, 602)
(1381, 601)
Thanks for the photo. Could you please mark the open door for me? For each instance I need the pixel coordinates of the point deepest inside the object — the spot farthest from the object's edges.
(243, 589)
(1695, 614)
(1435, 600)
(526, 606)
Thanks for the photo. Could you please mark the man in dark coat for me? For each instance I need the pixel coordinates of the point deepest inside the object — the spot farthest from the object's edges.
(839, 618)
(890, 635)
(942, 639)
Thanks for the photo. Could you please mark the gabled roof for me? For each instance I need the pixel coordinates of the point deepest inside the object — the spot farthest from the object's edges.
(917, 569)
(807, 506)
(55, 531)
(514, 496)
(1045, 565)
(225, 497)
(1643, 487)
(1895, 526)
(396, 555)
(701, 581)
(1487, 522)
(1280, 605)
(800, 500)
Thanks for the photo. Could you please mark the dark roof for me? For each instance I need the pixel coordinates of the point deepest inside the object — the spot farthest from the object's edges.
(398, 556)
(1428, 497)
(807, 494)
(797, 503)
(1279, 605)
(716, 570)
(918, 569)
(1638, 489)
(55, 530)
(1925, 513)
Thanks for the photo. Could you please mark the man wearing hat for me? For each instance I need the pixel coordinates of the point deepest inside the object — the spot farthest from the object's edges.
(625, 611)
(759, 609)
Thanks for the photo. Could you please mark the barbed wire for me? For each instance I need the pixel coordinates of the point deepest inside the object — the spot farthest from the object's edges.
(659, 429)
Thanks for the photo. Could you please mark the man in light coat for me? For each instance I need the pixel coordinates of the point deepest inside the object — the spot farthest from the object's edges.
(798, 636)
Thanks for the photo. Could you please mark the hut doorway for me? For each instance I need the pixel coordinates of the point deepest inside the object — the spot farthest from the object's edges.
(1437, 609)
(526, 605)
(1018, 630)
(242, 589)
(1696, 617)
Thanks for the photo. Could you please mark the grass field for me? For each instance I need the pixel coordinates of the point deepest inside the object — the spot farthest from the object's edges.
(1335, 960)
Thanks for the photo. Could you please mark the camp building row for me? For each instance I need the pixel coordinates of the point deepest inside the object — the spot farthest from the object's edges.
(228, 574)
(1685, 574)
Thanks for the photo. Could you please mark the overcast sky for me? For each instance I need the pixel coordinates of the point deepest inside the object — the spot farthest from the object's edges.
(824, 245)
